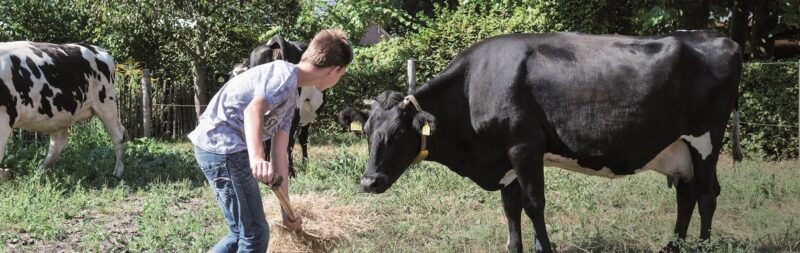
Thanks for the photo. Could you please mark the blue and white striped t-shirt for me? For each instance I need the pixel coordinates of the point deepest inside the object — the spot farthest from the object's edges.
(220, 129)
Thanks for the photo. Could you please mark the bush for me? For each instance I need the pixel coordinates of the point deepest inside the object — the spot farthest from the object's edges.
(768, 110)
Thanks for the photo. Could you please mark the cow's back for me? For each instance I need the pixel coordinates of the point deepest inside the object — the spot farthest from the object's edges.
(50, 86)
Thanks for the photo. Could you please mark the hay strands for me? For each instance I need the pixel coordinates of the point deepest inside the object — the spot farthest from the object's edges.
(283, 198)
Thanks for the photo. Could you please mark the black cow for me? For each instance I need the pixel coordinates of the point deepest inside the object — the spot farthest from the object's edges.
(601, 105)
(48, 87)
(279, 49)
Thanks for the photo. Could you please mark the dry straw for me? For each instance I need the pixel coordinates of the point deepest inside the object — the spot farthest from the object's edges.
(326, 224)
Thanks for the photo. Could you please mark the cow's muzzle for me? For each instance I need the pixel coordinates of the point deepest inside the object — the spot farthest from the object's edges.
(374, 183)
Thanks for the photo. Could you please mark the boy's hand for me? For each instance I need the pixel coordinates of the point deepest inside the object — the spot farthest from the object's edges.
(262, 171)
(293, 225)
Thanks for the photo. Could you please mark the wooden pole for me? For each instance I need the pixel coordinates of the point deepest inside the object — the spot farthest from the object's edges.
(412, 79)
(146, 103)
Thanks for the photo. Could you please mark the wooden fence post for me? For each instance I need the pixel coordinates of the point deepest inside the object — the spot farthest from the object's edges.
(146, 101)
(412, 79)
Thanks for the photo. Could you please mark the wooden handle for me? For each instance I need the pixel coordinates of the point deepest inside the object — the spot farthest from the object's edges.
(282, 197)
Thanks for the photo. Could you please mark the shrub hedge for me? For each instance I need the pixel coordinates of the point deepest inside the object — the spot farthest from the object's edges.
(768, 105)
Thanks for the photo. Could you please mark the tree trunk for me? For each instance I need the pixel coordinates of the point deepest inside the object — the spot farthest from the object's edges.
(764, 20)
(200, 73)
(694, 14)
(738, 25)
(199, 76)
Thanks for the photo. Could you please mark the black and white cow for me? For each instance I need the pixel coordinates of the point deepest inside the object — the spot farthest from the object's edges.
(601, 105)
(310, 99)
(48, 87)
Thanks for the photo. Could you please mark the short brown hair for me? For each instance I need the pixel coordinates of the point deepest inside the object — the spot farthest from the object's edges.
(329, 48)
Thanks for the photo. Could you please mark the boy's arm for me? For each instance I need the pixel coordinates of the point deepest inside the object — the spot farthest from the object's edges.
(280, 165)
(253, 120)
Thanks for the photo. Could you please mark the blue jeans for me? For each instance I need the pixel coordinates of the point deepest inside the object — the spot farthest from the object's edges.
(239, 198)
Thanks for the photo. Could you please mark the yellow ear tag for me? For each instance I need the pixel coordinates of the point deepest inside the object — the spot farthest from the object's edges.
(426, 129)
(356, 126)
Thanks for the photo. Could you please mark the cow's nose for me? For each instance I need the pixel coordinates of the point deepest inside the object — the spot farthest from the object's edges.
(366, 183)
(373, 184)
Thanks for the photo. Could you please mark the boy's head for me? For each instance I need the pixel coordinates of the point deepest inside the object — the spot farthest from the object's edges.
(329, 50)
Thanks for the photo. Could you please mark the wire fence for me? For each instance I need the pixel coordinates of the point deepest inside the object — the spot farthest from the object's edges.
(173, 109)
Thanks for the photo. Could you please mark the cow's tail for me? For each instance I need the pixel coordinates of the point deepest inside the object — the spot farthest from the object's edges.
(736, 146)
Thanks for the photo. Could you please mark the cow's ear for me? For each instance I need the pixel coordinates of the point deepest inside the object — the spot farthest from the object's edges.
(425, 123)
(276, 42)
(389, 99)
(276, 46)
(352, 119)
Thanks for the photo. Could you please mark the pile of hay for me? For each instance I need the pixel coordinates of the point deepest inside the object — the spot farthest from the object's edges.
(325, 224)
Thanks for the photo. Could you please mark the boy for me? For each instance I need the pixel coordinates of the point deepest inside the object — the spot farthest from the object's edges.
(252, 107)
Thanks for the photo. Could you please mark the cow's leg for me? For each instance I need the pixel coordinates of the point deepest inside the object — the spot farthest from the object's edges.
(527, 160)
(290, 148)
(303, 139)
(58, 140)
(267, 148)
(686, 201)
(708, 186)
(107, 112)
(707, 205)
(5, 133)
(512, 206)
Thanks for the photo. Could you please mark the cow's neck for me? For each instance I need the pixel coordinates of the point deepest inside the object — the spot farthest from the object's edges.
(445, 99)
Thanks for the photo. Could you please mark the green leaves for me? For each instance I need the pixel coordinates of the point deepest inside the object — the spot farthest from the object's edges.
(768, 105)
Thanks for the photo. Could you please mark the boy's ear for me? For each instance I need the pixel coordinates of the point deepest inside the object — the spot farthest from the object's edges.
(336, 70)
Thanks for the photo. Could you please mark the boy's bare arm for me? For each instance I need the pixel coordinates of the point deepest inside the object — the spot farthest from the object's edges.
(253, 120)
(280, 165)
(280, 159)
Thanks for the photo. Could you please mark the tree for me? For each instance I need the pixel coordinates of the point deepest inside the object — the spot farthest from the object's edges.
(200, 31)
(765, 18)
(36, 20)
(750, 23)
(694, 14)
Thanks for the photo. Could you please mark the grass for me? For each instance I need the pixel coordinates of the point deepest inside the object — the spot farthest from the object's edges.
(163, 204)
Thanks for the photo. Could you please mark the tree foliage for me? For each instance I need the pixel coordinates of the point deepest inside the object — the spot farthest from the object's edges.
(46, 21)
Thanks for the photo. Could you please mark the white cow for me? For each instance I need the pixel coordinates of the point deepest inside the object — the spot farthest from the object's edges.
(48, 87)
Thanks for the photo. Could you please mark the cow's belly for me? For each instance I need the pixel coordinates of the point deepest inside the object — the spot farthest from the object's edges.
(30, 119)
(674, 161)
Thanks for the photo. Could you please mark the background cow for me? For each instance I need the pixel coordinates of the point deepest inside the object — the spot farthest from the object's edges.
(601, 105)
(310, 98)
(47, 88)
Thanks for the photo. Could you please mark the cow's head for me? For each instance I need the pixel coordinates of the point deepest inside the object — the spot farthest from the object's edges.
(394, 128)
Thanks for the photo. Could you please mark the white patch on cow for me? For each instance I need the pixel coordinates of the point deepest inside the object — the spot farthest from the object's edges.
(701, 143)
(553, 160)
(674, 161)
(510, 176)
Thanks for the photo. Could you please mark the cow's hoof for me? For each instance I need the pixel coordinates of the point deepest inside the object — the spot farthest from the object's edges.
(6, 175)
(514, 250)
(672, 247)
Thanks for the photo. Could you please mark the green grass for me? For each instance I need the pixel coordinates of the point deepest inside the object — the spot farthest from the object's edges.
(163, 204)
